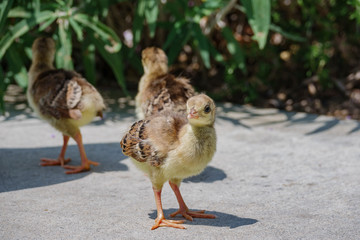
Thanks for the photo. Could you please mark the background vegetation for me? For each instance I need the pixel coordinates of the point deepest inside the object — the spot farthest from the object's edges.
(300, 55)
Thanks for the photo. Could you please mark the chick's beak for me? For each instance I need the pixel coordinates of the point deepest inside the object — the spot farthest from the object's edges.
(193, 114)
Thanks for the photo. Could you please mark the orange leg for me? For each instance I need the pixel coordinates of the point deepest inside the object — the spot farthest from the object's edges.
(160, 221)
(61, 159)
(85, 162)
(183, 209)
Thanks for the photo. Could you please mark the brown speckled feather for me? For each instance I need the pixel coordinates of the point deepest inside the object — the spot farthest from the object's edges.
(58, 93)
(158, 90)
(167, 93)
(135, 144)
(151, 139)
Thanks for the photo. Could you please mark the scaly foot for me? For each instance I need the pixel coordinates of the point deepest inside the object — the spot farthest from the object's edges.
(189, 215)
(162, 222)
(54, 162)
(82, 168)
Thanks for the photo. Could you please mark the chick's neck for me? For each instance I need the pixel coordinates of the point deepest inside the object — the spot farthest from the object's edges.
(41, 62)
(201, 132)
(156, 70)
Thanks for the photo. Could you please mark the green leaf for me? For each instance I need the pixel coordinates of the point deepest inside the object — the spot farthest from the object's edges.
(202, 44)
(215, 53)
(21, 28)
(138, 21)
(113, 59)
(181, 37)
(28, 52)
(19, 12)
(104, 32)
(47, 23)
(355, 14)
(61, 3)
(16, 67)
(77, 29)
(36, 6)
(176, 8)
(175, 33)
(63, 54)
(88, 57)
(104, 7)
(69, 3)
(258, 13)
(151, 13)
(213, 4)
(290, 36)
(5, 7)
(237, 53)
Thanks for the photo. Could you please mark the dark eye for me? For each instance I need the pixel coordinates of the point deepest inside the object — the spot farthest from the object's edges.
(207, 109)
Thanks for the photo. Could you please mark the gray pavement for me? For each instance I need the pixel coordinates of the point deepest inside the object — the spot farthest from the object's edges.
(275, 175)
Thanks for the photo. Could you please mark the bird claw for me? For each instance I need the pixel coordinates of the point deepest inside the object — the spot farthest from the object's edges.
(82, 168)
(189, 215)
(76, 169)
(168, 223)
(54, 162)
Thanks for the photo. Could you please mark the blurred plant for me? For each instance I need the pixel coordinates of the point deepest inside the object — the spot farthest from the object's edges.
(253, 45)
(22, 21)
(189, 21)
(193, 23)
(328, 27)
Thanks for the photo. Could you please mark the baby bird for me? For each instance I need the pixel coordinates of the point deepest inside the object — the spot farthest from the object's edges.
(169, 146)
(158, 90)
(62, 98)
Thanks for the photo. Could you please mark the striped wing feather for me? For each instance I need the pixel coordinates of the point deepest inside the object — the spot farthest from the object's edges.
(151, 139)
(167, 93)
(58, 93)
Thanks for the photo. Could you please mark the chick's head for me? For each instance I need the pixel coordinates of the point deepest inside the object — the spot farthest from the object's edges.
(201, 110)
(154, 60)
(43, 49)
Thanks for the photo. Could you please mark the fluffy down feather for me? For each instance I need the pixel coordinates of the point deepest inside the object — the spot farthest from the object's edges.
(158, 90)
(169, 146)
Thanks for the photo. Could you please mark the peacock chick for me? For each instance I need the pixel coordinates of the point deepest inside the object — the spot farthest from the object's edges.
(169, 146)
(62, 98)
(159, 90)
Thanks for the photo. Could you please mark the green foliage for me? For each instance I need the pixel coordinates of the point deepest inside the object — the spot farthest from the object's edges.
(356, 13)
(27, 19)
(326, 27)
(17, 68)
(5, 7)
(186, 29)
(249, 42)
(83, 19)
(235, 49)
(258, 12)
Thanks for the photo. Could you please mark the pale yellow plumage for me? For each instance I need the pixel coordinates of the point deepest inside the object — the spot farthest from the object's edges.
(63, 98)
(169, 147)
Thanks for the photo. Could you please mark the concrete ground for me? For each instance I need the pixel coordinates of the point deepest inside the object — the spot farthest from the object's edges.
(275, 175)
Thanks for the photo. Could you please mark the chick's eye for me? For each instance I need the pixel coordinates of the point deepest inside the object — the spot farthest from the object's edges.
(207, 109)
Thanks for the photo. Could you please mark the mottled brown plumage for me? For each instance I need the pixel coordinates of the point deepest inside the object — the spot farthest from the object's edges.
(158, 90)
(169, 146)
(63, 98)
(151, 139)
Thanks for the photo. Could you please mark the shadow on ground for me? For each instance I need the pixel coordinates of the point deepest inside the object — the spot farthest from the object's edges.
(20, 169)
(221, 220)
(291, 118)
(209, 175)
